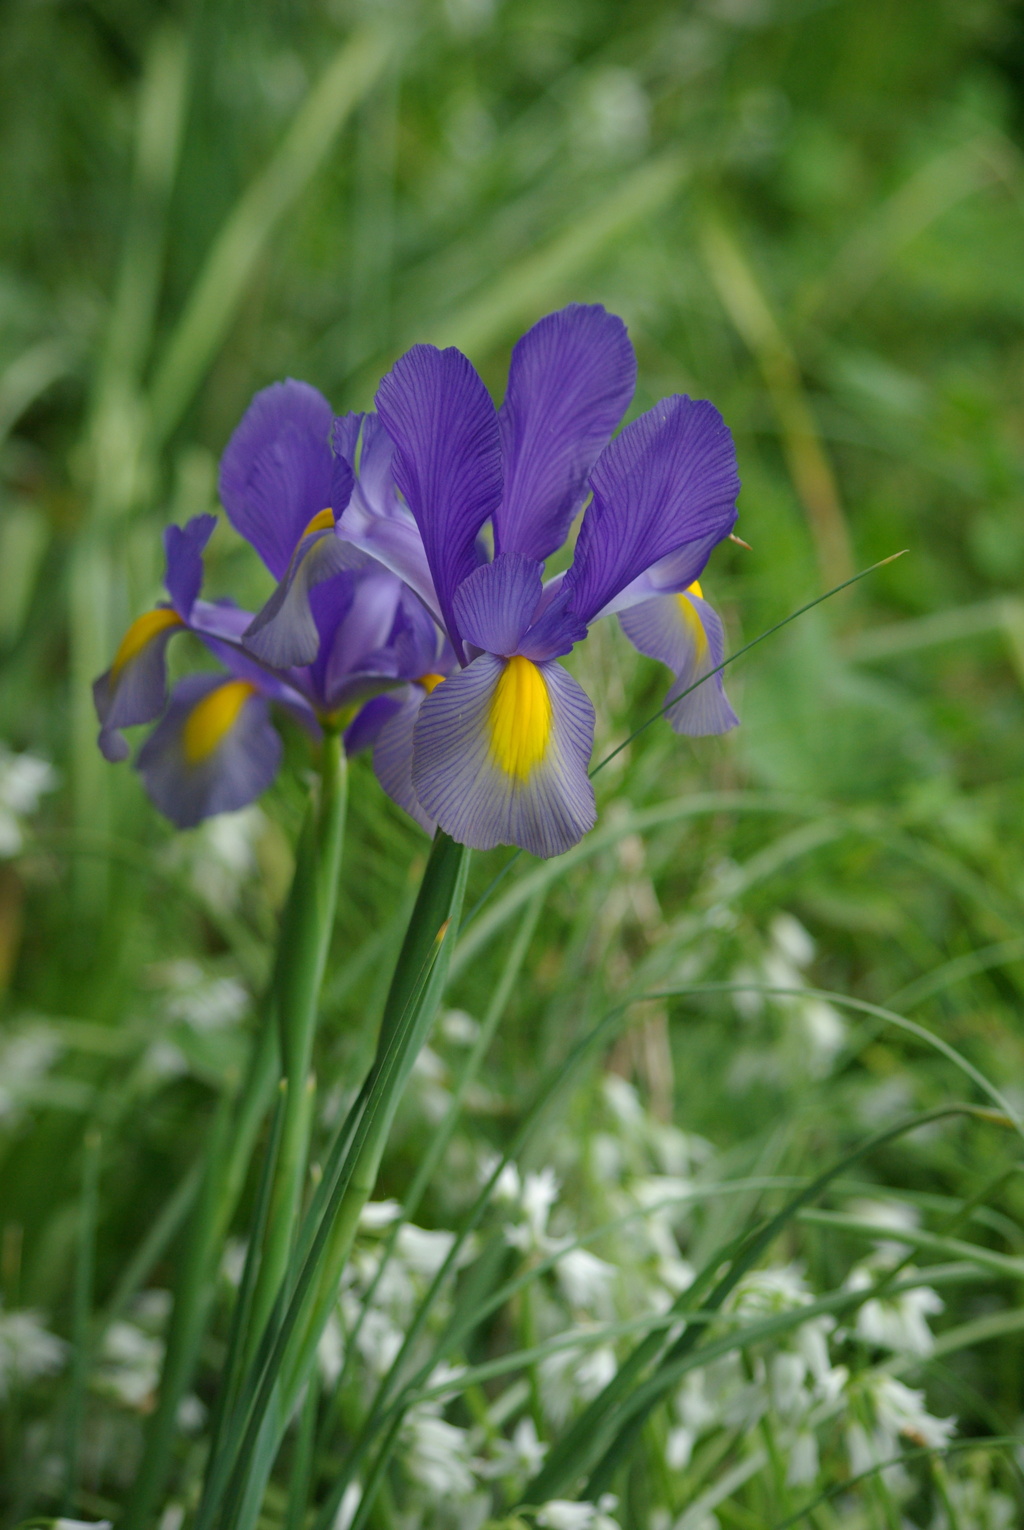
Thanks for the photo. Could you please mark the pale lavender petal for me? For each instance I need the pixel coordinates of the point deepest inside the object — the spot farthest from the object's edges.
(278, 470)
(668, 480)
(496, 604)
(458, 778)
(396, 543)
(570, 381)
(184, 546)
(243, 764)
(359, 649)
(392, 757)
(284, 632)
(683, 632)
(447, 460)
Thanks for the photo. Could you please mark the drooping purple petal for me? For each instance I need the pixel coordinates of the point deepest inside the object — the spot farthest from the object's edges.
(189, 783)
(184, 547)
(284, 632)
(357, 653)
(668, 480)
(393, 754)
(447, 460)
(570, 382)
(669, 576)
(134, 689)
(460, 775)
(277, 470)
(495, 605)
(685, 633)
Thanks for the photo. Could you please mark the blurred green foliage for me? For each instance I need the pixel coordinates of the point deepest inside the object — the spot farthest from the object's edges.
(809, 212)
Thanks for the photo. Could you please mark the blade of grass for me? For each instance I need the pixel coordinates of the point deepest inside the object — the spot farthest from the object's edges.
(85, 1270)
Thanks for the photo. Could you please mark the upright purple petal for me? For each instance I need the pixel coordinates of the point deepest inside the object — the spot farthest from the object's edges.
(667, 481)
(277, 470)
(447, 460)
(496, 603)
(685, 633)
(499, 768)
(570, 382)
(184, 547)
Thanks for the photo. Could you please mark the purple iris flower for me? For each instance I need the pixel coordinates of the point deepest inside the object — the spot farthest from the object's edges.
(352, 629)
(498, 753)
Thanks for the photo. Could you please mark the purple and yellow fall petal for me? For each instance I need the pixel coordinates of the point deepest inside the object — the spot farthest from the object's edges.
(393, 754)
(500, 756)
(668, 482)
(278, 471)
(570, 382)
(284, 633)
(447, 461)
(684, 633)
(214, 751)
(134, 689)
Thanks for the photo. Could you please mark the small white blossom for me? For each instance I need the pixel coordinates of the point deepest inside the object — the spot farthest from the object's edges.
(25, 1057)
(898, 1322)
(586, 1280)
(27, 1350)
(376, 1215)
(520, 1457)
(437, 1455)
(424, 1250)
(24, 778)
(130, 1361)
(561, 1514)
(803, 1460)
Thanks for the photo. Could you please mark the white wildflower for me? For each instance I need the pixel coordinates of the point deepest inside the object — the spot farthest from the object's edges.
(438, 1456)
(586, 1280)
(561, 1514)
(379, 1341)
(25, 1057)
(901, 1410)
(377, 1215)
(803, 1460)
(24, 778)
(898, 1322)
(538, 1195)
(424, 1250)
(791, 939)
(899, 1216)
(202, 1002)
(330, 1351)
(129, 1366)
(788, 1374)
(458, 1027)
(27, 1350)
(82, 1524)
(219, 858)
(347, 1508)
(520, 1457)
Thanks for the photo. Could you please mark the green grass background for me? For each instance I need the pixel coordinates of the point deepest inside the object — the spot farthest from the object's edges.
(810, 213)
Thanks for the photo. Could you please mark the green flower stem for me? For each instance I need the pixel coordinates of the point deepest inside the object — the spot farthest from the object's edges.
(306, 926)
(236, 1479)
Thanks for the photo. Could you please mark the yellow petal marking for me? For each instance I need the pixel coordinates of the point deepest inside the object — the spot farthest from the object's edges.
(142, 632)
(430, 682)
(212, 718)
(520, 718)
(322, 521)
(688, 611)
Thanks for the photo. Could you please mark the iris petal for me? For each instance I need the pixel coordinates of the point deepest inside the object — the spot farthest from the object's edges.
(495, 605)
(497, 764)
(214, 751)
(668, 481)
(685, 633)
(184, 547)
(447, 460)
(278, 470)
(570, 381)
(393, 756)
(284, 632)
(134, 689)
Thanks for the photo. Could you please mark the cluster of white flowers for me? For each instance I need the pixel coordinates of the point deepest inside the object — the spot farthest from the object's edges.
(27, 1053)
(24, 778)
(28, 1350)
(220, 857)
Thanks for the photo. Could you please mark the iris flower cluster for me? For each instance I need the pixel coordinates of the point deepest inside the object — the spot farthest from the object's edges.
(411, 609)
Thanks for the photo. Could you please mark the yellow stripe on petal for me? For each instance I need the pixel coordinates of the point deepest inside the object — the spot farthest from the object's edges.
(141, 633)
(322, 521)
(688, 611)
(430, 682)
(212, 718)
(520, 718)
